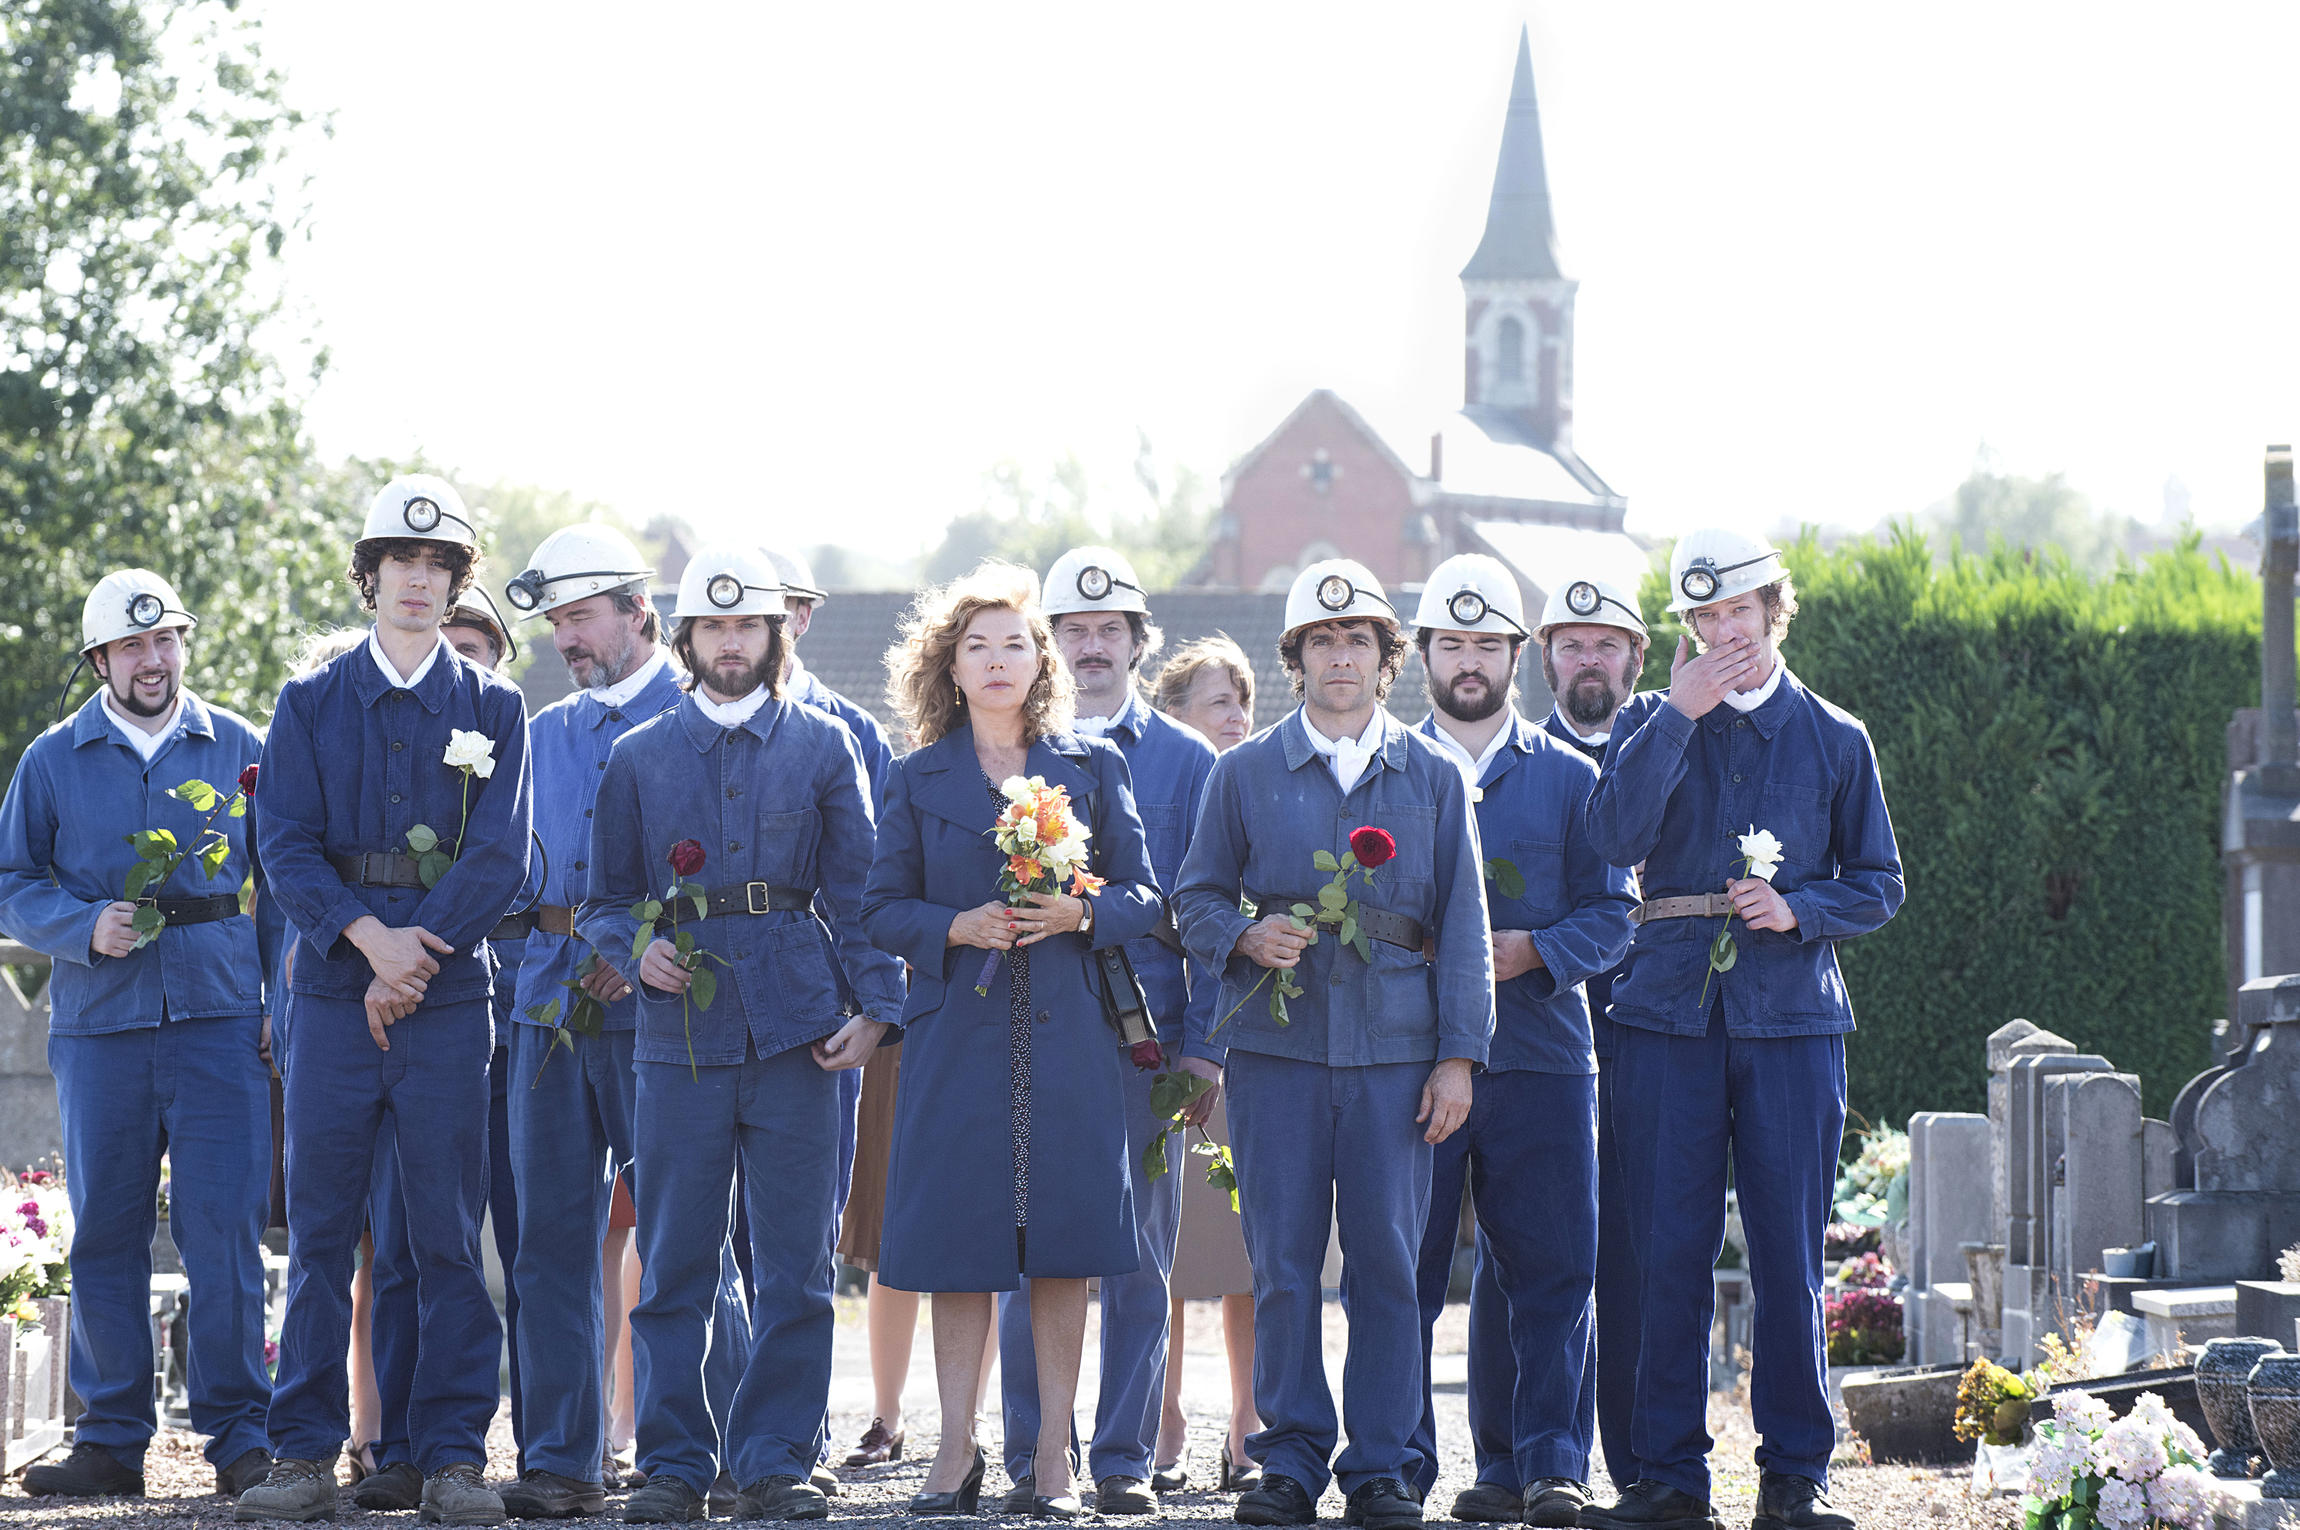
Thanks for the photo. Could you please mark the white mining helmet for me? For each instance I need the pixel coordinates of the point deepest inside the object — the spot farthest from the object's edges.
(420, 506)
(1713, 565)
(798, 579)
(1471, 592)
(575, 563)
(1336, 590)
(730, 581)
(1093, 579)
(126, 602)
(1590, 602)
(476, 608)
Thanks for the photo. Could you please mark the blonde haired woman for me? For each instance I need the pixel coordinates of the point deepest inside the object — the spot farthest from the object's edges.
(1009, 1159)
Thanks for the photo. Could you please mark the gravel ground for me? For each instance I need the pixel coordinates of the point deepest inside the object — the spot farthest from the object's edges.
(181, 1483)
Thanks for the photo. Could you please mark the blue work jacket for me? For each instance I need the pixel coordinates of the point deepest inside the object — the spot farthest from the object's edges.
(1600, 987)
(1576, 906)
(870, 735)
(1271, 804)
(780, 800)
(352, 762)
(1170, 764)
(79, 789)
(1678, 794)
(569, 742)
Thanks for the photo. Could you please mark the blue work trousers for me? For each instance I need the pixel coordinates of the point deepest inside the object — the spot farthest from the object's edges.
(1528, 1153)
(1776, 1105)
(348, 1101)
(779, 1116)
(1315, 1145)
(1610, 1383)
(394, 1314)
(1135, 1310)
(195, 1090)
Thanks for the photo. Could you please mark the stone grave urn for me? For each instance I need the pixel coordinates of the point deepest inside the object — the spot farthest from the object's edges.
(2222, 1373)
(2273, 1391)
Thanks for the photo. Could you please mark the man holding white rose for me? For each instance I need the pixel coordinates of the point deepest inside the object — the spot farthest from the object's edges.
(1756, 810)
(394, 832)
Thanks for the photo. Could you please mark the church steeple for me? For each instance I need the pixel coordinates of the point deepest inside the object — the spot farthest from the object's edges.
(1518, 383)
(1520, 242)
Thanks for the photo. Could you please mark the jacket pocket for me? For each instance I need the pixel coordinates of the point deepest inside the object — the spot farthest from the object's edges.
(786, 847)
(1542, 864)
(1162, 830)
(1798, 815)
(800, 971)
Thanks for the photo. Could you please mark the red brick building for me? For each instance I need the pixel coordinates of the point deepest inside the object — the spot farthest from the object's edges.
(1497, 475)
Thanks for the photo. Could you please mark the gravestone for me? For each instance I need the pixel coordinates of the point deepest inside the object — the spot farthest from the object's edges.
(2037, 1299)
(1949, 1154)
(2236, 1198)
(30, 1128)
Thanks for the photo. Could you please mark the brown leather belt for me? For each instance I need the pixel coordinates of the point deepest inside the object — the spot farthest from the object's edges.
(378, 868)
(757, 898)
(1708, 906)
(195, 910)
(1374, 923)
(554, 920)
(545, 917)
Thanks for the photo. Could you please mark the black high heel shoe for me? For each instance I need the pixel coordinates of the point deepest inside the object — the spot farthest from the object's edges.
(964, 1501)
(1237, 1479)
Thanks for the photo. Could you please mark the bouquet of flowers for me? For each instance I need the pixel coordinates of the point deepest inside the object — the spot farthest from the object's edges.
(1045, 849)
(1760, 858)
(2092, 1468)
(158, 855)
(1864, 1272)
(1993, 1404)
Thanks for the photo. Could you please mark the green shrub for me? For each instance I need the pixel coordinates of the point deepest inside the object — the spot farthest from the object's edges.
(2053, 749)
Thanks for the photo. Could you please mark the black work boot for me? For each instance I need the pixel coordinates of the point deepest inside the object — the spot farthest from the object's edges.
(1280, 1500)
(457, 1494)
(1487, 1503)
(1786, 1501)
(397, 1486)
(292, 1492)
(662, 1500)
(90, 1471)
(539, 1494)
(782, 1497)
(1650, 1505)
(245, 1471)
(1383, 1504)
(1555, 1502)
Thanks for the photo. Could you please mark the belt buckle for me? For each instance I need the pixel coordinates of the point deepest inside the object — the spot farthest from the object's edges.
(755, 898)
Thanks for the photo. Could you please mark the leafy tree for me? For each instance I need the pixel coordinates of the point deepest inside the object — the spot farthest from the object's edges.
(1033, 520)
(144, 203)
(2029, 515)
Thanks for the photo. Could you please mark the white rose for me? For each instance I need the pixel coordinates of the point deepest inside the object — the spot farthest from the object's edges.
(1019, 788)
(1763, 852)
(472, 751)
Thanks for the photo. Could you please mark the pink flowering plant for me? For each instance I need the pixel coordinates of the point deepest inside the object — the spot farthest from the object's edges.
(35, 1241)
(1864, 1327)
(2138, 1472)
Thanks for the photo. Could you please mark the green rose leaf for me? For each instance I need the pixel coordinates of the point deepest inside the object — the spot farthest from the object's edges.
(1506, 878)
(639, 940)
(421, 838)
(432, 865)
(545, 1012)
(240, 806)
(702, 905)
(1154, 1156)
(1324, 861)
(1349, 930)
(1301, 912)
(647, 911)
(685, 941)
(1364, 949)
(138, 875)
(196, 792)
(214, 856)
(705, 988)
(1332, 897)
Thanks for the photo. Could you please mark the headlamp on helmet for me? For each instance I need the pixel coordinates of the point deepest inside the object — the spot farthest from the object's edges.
(1703, 577)
(1469, 607)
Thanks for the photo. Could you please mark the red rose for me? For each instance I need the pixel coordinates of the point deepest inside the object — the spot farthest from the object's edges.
(1373, 847)
(686, 857)
(1146, 1055)
(248, 781)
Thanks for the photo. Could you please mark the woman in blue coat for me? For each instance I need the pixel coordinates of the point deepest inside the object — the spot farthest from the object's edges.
(1009, 1153)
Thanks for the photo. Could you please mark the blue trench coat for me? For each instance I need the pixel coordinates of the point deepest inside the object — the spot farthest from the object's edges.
(950, 1183)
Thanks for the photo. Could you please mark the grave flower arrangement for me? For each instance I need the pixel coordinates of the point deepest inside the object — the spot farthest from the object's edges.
(1993, 1404)
(1873, 1189)
(1864, 1327)
(35, 1240)
(2132, 1473)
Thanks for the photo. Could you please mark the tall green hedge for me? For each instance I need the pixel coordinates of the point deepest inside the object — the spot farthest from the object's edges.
(2053, 748)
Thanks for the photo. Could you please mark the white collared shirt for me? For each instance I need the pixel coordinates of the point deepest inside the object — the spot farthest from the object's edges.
(390, 675)
(1348, 756)
(1473, 768)
(1750, 701)
(730, 714)
(146, 744)
(1588, 740)
(623, 691)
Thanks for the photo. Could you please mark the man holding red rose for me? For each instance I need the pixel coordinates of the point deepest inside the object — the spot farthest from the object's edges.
(153, 1042)
(1334, 1107)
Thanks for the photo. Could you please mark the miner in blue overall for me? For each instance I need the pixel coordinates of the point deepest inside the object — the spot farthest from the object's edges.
(153, 1033)
(394, 832)
(750, 1002)
(1593, 642)
(476, 630)
(1756, 810)
(1101, 621)
(1528, 1151)
(1334, 1110)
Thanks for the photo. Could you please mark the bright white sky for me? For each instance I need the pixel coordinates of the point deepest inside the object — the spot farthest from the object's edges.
(827, 263)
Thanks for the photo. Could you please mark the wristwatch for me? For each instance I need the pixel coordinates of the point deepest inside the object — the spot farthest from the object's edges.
(1086, 916)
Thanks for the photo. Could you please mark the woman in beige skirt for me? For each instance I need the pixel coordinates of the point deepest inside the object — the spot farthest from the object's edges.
(1209, 686)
